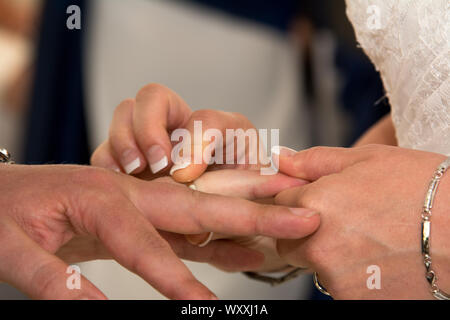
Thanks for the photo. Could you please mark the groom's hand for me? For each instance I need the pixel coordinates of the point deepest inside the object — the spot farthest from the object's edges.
(139, 136)
(47, 209)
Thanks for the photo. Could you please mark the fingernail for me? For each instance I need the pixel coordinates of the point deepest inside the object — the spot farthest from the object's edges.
(193, 187)
(283, 151)
(130, 161)
(179, 166)
(304, 213)
(157, 158)
(213, 297)
(199, 239)
(133, 165)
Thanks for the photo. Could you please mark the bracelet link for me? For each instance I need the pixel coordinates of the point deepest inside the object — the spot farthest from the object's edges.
(5, 156)
(426, 231)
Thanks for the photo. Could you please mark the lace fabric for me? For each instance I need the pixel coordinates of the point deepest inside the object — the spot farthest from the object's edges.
(409, 43)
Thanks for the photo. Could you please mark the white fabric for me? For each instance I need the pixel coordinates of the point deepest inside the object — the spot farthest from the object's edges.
(213, 61)
(411, 49)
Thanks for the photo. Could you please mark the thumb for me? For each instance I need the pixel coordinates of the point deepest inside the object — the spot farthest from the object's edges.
(313, 163)
(41, 275)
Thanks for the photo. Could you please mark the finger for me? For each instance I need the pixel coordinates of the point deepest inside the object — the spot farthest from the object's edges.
(135, 244)
(312, 196)
(39, 274)
(311, 164)
(158, 110)
(226, 255)
(185, 211)
(202, 150)
(292, 251)
(122, 141)
(246, 184)
(103, 157)
(81, 249)
(290, 197)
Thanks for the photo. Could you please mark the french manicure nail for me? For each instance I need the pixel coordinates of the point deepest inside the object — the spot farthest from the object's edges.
(157, 159)
(284, 151)
(179, 166)
(305, 213)
(133, 165)
(130, 161)
(193, 187)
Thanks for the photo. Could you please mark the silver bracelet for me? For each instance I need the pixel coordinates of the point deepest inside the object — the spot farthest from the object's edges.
(5, 157)
(426, 229)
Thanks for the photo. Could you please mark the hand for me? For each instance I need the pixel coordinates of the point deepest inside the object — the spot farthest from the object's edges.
(139, 134)
(370, 200)
(250, 185)
(49, 210)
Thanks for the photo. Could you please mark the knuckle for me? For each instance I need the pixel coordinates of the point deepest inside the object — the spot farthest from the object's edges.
(124, 105)
(373, 149)
(314, 152)
(261, 217)
(376, 153)
(315, 255)
(45, 278)
(240, 117)
(97, 185)
(90, 176)
(94, 186)
(154, 89)
(209, 116)
(309, 198)
(119, 138)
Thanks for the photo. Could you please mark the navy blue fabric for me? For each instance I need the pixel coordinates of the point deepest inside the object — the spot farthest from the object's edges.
(56, 128)
(362, 91)
(274, 13)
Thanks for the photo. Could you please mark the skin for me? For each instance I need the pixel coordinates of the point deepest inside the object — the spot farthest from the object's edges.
(383, 132)
(20, 19)
(369, 199)
(55, 215)
(145, 121)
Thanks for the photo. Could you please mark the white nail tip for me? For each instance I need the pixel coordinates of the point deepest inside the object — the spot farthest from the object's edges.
(133, 165)
(158, 166)
(179, 166)
(193, 187)
(277, 150)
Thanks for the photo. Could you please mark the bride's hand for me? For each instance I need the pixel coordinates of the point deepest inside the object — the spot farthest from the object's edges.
(370, 201)
(139, 136)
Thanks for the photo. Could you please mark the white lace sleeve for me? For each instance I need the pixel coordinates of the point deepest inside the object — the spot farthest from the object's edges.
(408, 41)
